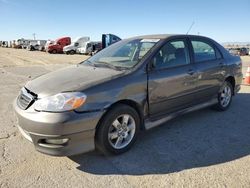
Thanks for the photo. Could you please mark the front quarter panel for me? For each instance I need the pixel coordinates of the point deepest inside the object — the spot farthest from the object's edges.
(132, 86)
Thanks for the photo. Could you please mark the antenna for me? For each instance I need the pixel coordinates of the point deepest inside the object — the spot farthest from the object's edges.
(190, 27)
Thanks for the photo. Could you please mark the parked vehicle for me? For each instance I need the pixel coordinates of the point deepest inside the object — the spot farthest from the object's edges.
(1, 42)
(108, 39)
(10, 44)
(96, 48)
(13, 44)
(243, 51)
(49, 42)
(5, 44)
(75, 45)
(41, 44)
(36, 45)
(234, 51)
(134, 84)
(22, 43)
(57, 47)
(89, 47)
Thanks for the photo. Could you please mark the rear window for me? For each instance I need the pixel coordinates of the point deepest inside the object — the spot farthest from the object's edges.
(203, 51)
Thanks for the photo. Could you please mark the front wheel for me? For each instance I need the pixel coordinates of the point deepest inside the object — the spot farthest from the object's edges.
(225, 97)
(118, 130)
(72, 52)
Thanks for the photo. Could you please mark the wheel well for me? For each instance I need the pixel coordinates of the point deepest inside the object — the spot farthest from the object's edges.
(231, 80)
(130, 103)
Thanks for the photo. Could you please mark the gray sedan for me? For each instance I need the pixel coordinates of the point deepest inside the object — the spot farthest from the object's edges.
(133, 85)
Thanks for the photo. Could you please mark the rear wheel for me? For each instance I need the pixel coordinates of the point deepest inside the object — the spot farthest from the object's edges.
(54, 51)
(225, 97)
(118, 130)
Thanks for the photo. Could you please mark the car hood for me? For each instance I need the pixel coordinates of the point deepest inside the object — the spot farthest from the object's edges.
(72, 78)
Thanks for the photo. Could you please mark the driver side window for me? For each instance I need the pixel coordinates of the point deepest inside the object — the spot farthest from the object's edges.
(172, 54)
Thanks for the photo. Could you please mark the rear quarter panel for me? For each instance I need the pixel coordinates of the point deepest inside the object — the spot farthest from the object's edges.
(234, 68)
(233, 65)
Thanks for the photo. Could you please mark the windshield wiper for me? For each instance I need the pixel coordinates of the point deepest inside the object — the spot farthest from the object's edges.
(87, 62)
(102, 63)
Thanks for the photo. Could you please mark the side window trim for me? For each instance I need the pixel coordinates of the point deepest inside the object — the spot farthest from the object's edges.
(216, 50)
(187, 45)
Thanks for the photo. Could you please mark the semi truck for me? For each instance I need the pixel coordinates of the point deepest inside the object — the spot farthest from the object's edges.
(92, 47)
(77, 43)
(57, 46)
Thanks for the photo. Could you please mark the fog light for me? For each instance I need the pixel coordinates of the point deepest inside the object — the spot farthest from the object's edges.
(57, 141)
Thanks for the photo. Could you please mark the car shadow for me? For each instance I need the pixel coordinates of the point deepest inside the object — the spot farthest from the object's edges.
(198, 139)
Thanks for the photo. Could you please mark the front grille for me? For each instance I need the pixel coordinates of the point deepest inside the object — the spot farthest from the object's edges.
(25, 99)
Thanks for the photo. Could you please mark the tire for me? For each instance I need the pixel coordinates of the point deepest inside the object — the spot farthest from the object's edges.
(114, 137)
(224, 97)
(54, 51)
(71, 52)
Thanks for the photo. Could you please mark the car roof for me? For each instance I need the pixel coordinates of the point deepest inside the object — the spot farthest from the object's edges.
(164, 36)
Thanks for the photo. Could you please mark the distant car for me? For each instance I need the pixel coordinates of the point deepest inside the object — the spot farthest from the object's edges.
(132, 85)
(234, 51)
(36, 45)
(243, 51)
(5, 44)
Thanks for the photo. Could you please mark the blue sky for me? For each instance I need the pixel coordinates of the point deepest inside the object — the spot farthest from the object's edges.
(222, 20)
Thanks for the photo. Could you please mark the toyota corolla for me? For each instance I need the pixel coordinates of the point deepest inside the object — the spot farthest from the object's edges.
(133, 85)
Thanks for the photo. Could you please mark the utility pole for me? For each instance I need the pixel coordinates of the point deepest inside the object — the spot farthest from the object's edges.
(34, 36)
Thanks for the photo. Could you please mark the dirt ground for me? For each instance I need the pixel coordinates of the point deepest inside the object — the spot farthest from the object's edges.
(201, 149)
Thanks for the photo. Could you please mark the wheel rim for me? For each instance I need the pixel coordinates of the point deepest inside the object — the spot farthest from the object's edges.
(122, 131)
(225, 96)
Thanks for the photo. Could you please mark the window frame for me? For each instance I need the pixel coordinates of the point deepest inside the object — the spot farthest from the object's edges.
(174, 39)
(210, 43)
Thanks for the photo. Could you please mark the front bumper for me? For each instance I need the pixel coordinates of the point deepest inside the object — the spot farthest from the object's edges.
(77, 128)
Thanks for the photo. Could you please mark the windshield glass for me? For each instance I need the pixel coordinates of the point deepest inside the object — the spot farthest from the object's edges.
(123, 54)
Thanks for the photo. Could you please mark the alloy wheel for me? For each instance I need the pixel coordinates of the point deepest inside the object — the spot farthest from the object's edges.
(122, 131)
(225, 96)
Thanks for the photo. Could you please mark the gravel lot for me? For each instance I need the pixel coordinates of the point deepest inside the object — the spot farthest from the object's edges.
(200, 149)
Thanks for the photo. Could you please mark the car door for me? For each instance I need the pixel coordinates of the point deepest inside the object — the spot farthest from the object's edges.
(171, 79)
(210, 68)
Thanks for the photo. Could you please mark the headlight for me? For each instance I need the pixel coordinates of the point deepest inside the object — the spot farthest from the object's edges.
(61, 102)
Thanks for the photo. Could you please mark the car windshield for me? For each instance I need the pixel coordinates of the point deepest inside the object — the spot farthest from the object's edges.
(123, 54)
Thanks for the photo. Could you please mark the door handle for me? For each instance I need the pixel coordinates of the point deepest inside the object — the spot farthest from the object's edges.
(191, 72)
